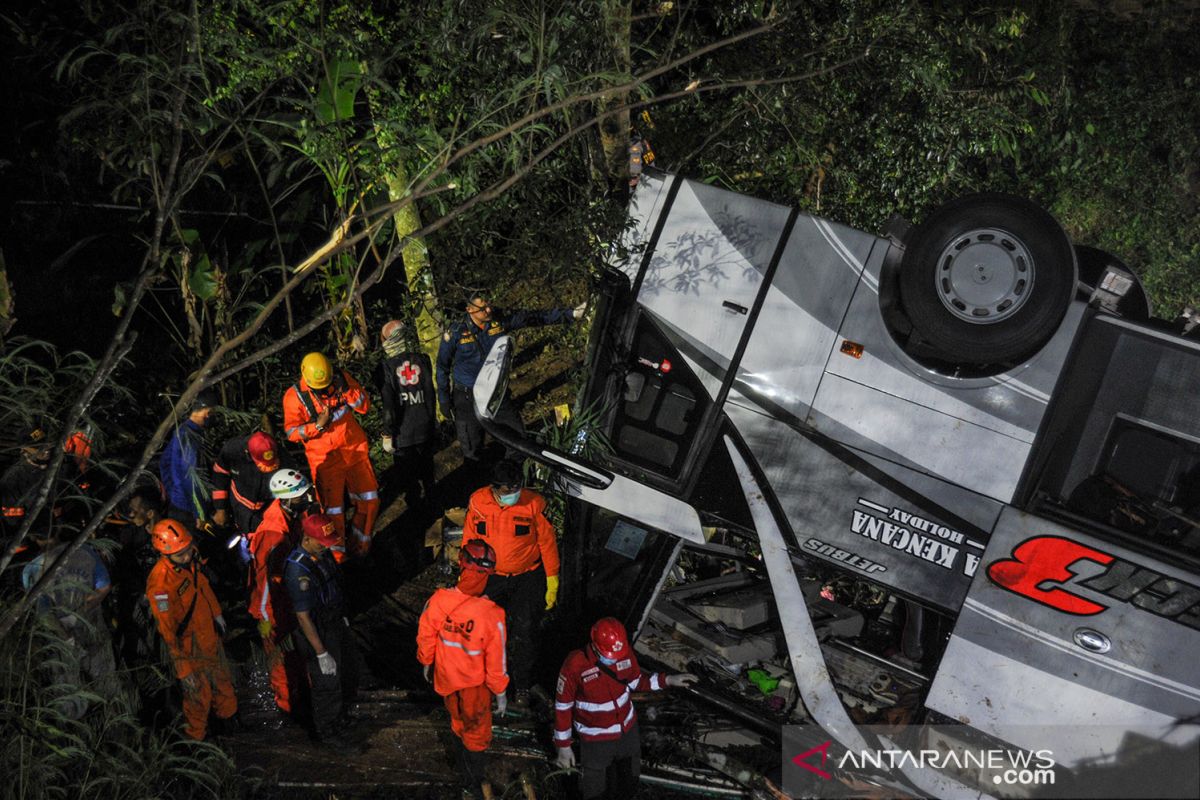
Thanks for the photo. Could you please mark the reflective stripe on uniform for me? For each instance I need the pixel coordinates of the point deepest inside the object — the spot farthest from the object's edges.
(339, 413)
(586, 730)
(361, 536)
(371, 495)
(564, 736)
(358, 403)
(503, 649)
(583, 705)
(654, 684)
(460, 646)
(299, 429)
(334, 510)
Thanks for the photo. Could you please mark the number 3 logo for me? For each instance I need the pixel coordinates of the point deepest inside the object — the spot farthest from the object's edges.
(1047, 559)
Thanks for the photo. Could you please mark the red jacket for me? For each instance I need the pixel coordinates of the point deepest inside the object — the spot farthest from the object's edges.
(463, 637)
(302, 405)
(598, 707)
(520, 533)
(270, 545)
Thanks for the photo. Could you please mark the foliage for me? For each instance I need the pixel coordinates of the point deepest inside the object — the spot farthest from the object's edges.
(103, 753)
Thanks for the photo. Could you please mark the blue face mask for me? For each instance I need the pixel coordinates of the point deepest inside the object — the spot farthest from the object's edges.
(608, 662)
(510, 499)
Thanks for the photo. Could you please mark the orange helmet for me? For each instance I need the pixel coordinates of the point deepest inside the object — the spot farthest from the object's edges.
(170, 537)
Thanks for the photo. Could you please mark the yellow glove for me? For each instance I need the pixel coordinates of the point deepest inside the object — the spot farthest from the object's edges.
(264, 628)
(551, 591)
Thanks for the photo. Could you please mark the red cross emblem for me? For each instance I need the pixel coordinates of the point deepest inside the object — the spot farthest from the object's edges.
(408, 373)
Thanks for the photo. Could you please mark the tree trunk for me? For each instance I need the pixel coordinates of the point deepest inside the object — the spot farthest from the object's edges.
(614, 127)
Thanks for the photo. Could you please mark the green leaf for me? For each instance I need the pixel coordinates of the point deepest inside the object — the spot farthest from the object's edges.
(339, 90)
(202, 281)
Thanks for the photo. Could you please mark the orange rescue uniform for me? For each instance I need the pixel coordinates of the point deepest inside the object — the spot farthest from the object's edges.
(270, 545)
(463, 637)
(186, 610)
(338, 456)
(520, 534)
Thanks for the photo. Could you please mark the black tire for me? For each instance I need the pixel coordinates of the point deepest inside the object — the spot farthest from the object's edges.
(987, 278)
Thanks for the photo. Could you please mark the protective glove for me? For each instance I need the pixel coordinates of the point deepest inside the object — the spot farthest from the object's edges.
(551, 591)
(388, 447)
(580, 310)
(428, 673)
(191, 683)
(326, 663)
(501, 704)
(264, 628)
(566, 757)
(681, 681)
(221, 628)
(447, 408)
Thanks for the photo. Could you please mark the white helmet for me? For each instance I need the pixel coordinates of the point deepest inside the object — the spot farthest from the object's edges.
(289, 483)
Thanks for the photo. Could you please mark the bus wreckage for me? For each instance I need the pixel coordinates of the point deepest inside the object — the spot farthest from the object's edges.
(945, 480)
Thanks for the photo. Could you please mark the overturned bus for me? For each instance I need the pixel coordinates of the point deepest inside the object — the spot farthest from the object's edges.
(946, 475)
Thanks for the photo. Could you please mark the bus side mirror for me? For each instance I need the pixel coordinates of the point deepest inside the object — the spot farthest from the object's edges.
(492, 382)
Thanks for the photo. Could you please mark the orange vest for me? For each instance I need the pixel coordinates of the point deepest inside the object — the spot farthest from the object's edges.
(520, 534)
(302, 405)
(463, 637)
(191, 640)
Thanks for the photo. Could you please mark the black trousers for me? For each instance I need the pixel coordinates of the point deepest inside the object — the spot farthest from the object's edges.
(330, 691)
(470, 431)
(523, 598)
(411, 474)
(611, 769)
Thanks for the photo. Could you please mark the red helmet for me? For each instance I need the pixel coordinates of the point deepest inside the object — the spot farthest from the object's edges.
(609, 638)
(321, 528)
(263, 452)
(170, 537)
(477, 555)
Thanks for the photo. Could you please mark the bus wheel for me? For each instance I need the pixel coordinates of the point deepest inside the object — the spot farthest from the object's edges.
(987, 279)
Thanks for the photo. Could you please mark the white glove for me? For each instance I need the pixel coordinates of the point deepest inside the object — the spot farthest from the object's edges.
(220, 620)
(326, 663)
(682, 680)
(580, 310)
(501, 704)
(428, 673)
(388, 447)
(566, 757)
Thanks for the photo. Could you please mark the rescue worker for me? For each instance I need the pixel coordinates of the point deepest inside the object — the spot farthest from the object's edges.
(181, 464)
(513, 521)
(20, 482)
(405, 381)
(192, 626)
(317, 412)
(313, 583)
(144, 509)
(70, 602)
(593, 699)
(270, 545)
(460, 640)
(465, 345)
(242, 482)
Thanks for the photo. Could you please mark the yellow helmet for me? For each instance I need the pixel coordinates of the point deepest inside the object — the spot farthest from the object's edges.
(317, 371)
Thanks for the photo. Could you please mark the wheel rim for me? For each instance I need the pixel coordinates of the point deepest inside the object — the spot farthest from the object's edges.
(984, 276)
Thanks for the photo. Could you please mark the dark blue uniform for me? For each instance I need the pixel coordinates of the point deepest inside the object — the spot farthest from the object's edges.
(314, 586)
(464, 347)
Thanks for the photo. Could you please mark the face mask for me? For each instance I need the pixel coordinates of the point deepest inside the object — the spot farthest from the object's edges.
(608, 662)
(510, 499)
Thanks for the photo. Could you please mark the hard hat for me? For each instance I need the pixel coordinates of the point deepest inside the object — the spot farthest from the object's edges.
(288, 483)
(321, 528)
(477, 555)
(261, 448)
(391, 328)
(609, 638)
(170, 537)
(316, 370)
